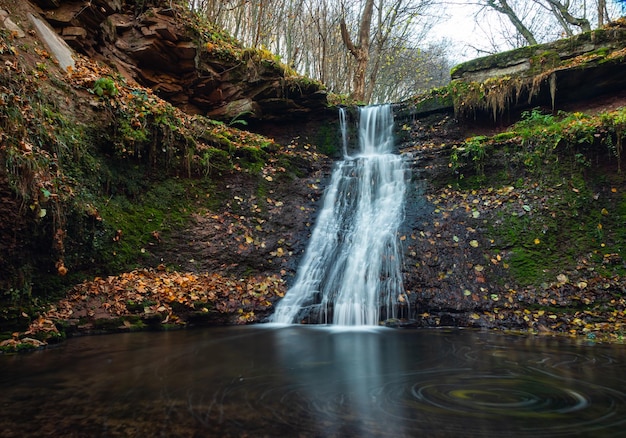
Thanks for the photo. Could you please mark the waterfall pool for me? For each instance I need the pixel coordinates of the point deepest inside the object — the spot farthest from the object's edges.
(315, 381)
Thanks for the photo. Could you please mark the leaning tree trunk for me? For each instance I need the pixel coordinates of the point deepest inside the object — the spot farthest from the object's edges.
(503, 7)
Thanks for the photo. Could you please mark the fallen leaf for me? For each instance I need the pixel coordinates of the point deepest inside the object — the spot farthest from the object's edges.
(562, 278)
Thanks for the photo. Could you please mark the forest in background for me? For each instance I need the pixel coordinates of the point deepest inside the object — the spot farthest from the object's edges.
(388, 50)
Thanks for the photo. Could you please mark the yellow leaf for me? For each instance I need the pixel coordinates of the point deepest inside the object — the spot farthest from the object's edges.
(249, 239)
(474, 243)
(537, 241)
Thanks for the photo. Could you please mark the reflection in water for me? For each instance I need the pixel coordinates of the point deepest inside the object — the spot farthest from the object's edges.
(315, 382)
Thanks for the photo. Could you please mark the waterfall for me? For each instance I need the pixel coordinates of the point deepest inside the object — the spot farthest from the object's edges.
(351, 269)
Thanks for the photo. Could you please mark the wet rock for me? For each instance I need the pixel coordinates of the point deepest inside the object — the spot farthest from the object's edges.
(57, 46)
(9, 25)
(156, 49)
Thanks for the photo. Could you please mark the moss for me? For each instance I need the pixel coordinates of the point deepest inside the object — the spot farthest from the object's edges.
(433, 100)
(326, 139)
(251, 158)
(261, 194)
(545, 60)
(214, 161)
(19, 348)
(126, 323)
(140, 212)
(528, 81)
(559, 164)
(528, 267)
(504, 136)
(138, 306)
(501, 59)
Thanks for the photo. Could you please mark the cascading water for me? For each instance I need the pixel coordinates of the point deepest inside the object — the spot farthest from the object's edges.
(351, 269)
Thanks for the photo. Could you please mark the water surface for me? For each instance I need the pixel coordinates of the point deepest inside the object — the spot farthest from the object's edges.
(303, 381)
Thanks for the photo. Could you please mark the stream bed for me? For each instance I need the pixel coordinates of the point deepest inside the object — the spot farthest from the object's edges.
(315, 381)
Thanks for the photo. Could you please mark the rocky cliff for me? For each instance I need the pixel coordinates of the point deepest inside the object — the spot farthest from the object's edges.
(518, 208)
(198, 69)
(113, 177)
(102, 175)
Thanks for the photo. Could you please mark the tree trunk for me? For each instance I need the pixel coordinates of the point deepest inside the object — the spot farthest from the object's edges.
(566, 29)
(601, 12)
(562, 9)
(503, 7)
(359, 51)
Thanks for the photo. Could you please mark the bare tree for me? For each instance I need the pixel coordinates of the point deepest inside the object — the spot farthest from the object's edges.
(561, 11)
(552, 19)
(344, 44)
(602, 12)
(360, 49)
(503, 7)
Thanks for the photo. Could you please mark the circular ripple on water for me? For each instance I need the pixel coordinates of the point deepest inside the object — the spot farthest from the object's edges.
(535, 404)
(435, 403)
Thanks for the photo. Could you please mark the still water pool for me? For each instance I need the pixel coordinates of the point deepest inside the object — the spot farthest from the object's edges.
(302, 381)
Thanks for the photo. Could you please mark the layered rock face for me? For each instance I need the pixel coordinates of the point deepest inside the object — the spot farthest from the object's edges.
(556, 76)
(153, 46)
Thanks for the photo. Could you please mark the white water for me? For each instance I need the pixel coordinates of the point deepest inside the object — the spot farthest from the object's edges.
(351, 267)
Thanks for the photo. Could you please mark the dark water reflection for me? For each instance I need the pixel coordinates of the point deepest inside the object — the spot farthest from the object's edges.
(300, 381)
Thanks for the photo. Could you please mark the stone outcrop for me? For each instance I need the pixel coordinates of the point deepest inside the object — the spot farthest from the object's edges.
(157, 47)
(597, 47)
(553, 75)
(57, 46)
(9, 24)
